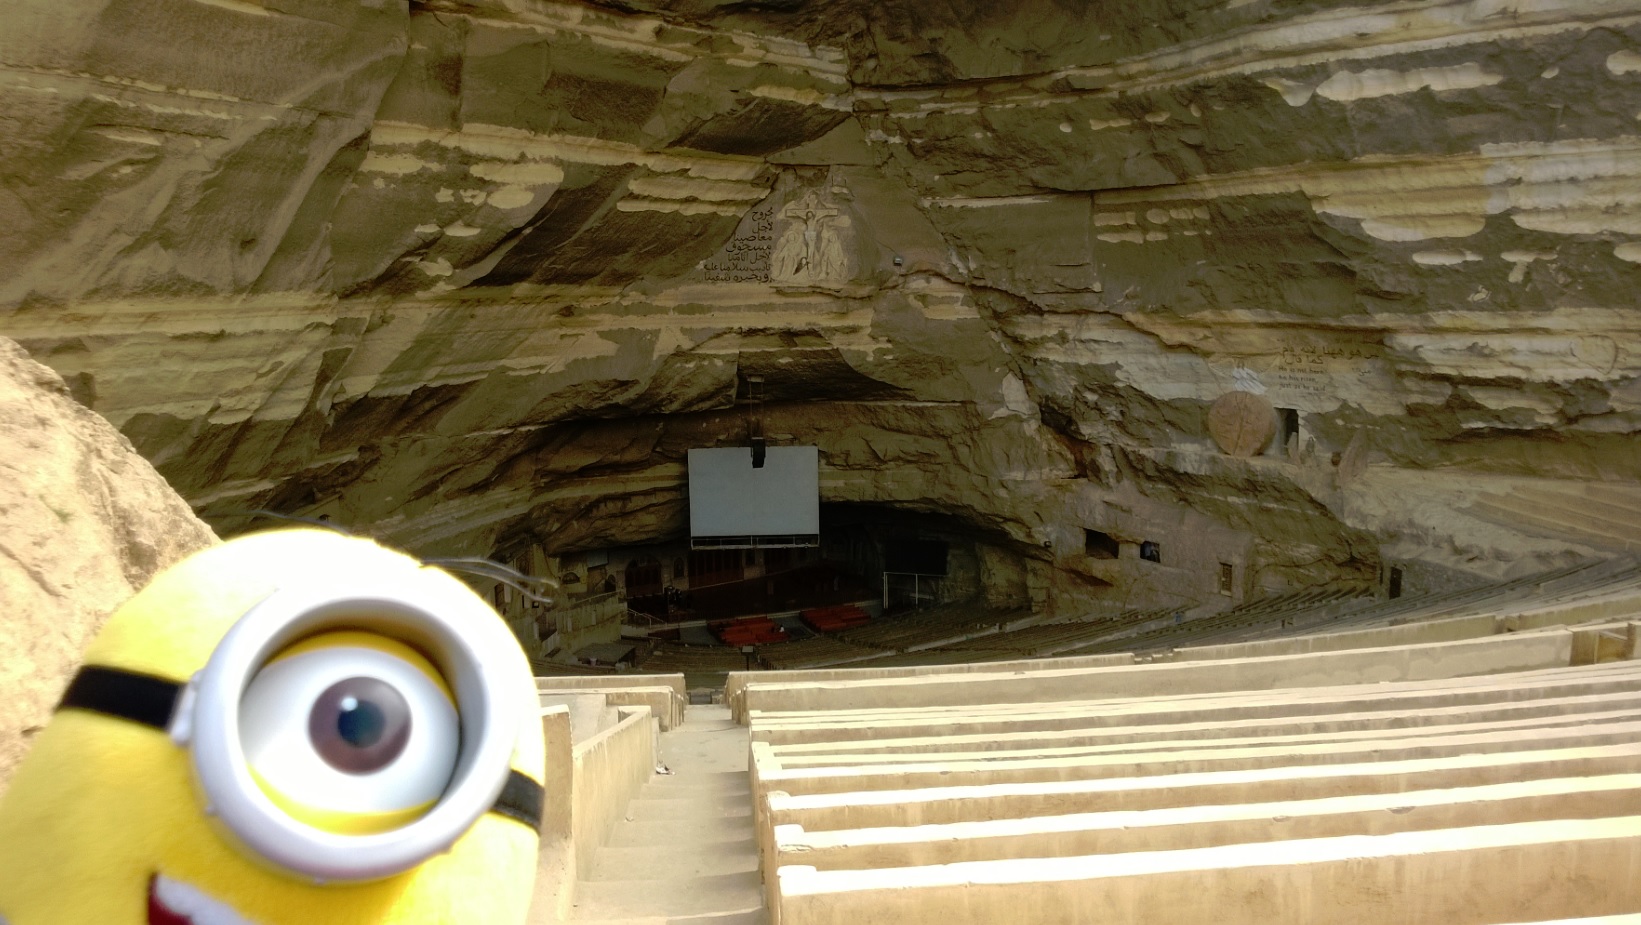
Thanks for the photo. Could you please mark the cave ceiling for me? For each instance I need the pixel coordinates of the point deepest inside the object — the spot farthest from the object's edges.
(474, 275)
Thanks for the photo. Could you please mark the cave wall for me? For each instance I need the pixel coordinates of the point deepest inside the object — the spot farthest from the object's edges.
(473, 276)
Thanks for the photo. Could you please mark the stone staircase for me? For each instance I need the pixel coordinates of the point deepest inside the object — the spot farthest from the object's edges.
(685, 852)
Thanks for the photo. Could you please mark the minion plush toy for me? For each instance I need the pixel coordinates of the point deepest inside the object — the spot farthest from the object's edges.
(292, 727)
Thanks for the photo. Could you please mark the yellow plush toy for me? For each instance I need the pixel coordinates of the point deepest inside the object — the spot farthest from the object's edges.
(291, 727)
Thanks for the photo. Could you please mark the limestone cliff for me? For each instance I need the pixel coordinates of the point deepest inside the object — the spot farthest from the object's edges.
(475, 274)
(84, 523)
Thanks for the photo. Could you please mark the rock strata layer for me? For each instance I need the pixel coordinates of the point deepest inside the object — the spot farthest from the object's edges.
(474, 275)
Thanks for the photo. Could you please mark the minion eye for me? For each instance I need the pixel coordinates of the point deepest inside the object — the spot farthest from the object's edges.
(350, 732)
(360, 725)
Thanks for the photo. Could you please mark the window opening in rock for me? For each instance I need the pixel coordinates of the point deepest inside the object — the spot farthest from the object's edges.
(1395, 588)
(1227, 578)
(1151, 551)
(1097, 545)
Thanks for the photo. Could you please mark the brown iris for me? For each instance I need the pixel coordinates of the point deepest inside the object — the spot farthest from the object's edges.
(359, 725)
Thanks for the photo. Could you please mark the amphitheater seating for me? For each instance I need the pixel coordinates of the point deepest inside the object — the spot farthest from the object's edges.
(1467, 759)
(897, 640)
(1315, 621)
(1043, 639)
(836, 618)
(544, 668)
(750, 631)
(960, 634)
(1455, 783)
(1588, 586)
(1582, 582)
(927, 629)
(815, 652)
(940, 656)
(701, 666)
(957, 634)
(1263, 614)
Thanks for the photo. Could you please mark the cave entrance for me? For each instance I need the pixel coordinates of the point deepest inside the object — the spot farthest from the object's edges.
(913, 570)
(873, 557)
(915, 559)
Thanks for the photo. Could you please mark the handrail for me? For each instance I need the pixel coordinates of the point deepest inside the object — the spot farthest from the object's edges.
(637, 618)
(598, 598)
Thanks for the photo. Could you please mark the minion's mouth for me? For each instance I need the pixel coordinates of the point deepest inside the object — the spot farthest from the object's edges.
(172, 902)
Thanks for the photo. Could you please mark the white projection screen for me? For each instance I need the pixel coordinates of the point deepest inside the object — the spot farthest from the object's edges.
(727, 497)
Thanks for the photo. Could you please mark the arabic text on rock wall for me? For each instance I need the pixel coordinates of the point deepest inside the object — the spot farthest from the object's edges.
(745, 259)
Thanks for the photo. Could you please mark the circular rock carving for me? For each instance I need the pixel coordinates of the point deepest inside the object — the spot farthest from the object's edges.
(1597, 350)
(1241, 423)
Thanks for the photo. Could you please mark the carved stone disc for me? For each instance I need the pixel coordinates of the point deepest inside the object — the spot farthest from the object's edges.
(1241, 423)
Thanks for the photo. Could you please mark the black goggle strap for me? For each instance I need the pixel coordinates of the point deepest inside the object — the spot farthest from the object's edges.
(127, 695)
(150, 701)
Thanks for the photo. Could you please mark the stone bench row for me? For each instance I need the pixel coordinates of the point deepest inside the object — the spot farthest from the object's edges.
(1566, 707)
(1392, 704)
(854, 821)
(1526, 871)
(771, 775)
(1051, 682)
(967, 802)
(1181, 827)
(1617, 640)
(1294, 734)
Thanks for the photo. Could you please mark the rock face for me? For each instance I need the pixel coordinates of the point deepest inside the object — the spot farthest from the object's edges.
(84, 522)
(474, 275)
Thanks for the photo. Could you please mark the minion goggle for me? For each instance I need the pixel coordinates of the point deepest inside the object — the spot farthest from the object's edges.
(343, 734)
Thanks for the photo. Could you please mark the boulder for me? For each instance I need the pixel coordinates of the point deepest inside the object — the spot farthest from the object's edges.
(84, 522)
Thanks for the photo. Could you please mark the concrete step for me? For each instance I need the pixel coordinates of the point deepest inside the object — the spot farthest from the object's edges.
(706, 755)
(705, 834)
(697, 727)
(724, 782)
(691, 786)
(602, 900)
(757, 916)
(688, 792)
(674, 862)
(701, 806)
